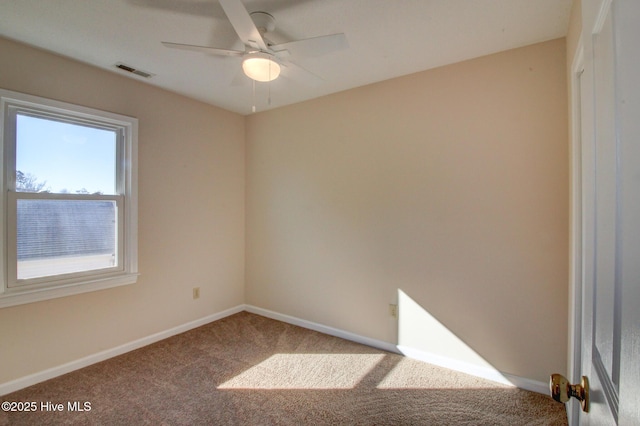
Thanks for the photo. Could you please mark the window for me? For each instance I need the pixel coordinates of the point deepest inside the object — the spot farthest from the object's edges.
(69, 208)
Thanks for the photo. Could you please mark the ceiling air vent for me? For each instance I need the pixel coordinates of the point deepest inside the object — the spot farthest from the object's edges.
(134, 70)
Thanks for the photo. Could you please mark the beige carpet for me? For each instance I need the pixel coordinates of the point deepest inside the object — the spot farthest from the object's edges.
(250, 370)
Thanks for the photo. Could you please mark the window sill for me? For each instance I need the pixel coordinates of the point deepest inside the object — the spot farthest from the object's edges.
(14, 297)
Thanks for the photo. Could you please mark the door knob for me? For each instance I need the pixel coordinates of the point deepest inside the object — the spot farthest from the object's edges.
(562, 390)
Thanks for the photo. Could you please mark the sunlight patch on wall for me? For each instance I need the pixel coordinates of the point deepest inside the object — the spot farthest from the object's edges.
(422, 336)
(306, 371)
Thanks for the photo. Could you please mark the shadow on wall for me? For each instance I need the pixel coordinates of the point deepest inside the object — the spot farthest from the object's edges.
(422, 336)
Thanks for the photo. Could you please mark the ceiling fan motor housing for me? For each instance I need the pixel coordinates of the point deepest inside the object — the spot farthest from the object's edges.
(265, 23)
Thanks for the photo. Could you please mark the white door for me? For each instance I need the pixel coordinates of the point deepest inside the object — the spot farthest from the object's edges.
(610, 211)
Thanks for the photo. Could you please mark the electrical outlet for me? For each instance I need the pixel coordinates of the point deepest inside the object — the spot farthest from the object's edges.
(196, 292)
(393, 310)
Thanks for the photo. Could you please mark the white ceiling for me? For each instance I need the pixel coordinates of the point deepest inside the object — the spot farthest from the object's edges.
(387, 38)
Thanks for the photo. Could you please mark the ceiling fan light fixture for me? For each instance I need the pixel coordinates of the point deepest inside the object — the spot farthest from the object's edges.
(260, 67)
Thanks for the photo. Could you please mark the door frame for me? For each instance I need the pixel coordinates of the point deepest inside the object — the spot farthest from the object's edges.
(627, 127)
(576, 230)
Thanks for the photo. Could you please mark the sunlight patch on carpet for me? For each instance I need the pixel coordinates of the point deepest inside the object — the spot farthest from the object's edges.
(306, 371)
(414, 374)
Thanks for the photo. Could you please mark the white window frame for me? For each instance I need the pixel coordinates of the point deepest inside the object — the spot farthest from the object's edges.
(16, 292)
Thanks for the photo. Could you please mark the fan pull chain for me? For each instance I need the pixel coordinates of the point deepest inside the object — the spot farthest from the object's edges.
(253, 108)
(269, 87)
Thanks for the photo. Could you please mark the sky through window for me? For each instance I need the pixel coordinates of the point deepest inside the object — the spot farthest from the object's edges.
(70, 157)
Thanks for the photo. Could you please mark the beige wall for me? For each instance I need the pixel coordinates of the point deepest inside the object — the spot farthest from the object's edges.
(191, 218)
(450, 185)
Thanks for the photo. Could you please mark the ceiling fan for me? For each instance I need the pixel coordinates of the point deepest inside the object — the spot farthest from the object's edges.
(262, 60)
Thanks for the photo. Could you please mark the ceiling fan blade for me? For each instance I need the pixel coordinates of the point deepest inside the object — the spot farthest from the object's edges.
(296, 72)
(240, 79)
(315, 46)
(243, 24)
(203, 49)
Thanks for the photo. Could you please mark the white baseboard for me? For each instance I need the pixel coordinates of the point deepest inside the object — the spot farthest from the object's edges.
(450, 363)
(456, 365)
(50, 373)
(379, 344)
(528, 384)
(476, 370)
(486, 373)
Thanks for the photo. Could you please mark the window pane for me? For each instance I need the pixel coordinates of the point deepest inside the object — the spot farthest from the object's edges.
(64, 236)
(60, 157)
